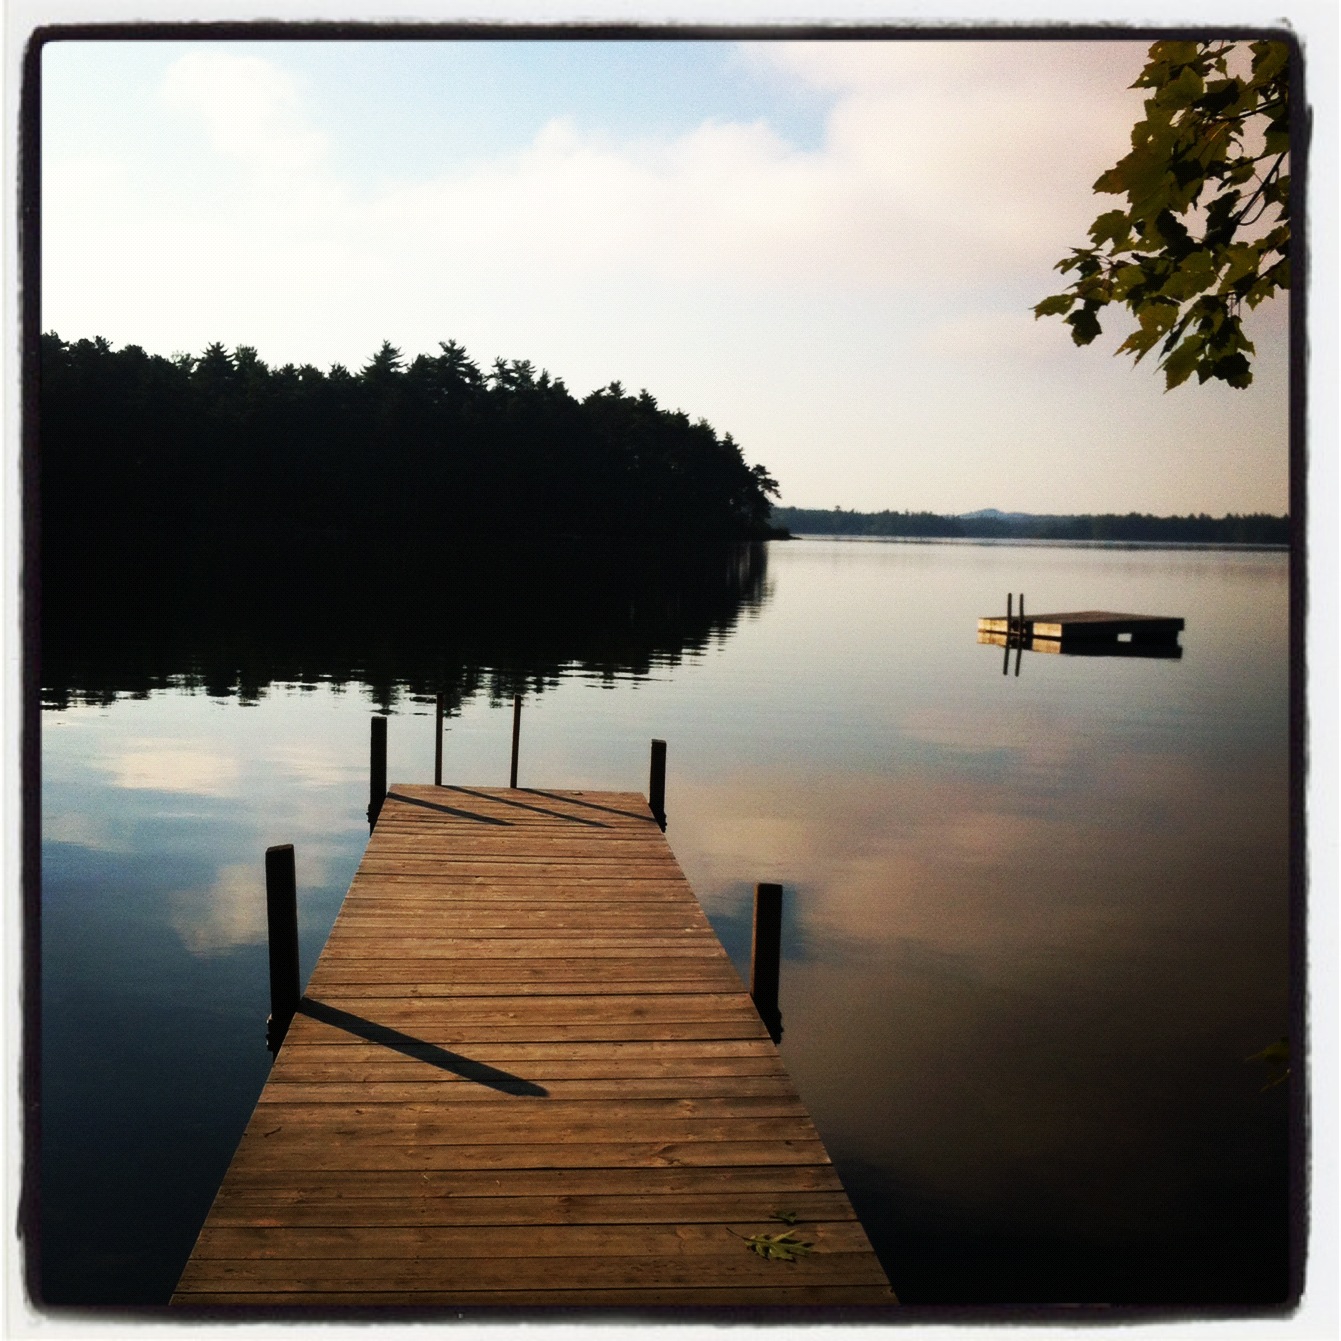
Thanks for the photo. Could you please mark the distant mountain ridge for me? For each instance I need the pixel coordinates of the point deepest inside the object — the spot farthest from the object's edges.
(993, 524)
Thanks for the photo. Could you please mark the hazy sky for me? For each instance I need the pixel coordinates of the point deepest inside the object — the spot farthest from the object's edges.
(829, 250)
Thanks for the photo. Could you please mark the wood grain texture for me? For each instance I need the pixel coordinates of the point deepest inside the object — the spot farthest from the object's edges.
(525, 1075)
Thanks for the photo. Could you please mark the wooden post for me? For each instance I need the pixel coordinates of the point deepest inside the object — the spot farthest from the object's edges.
(437, 747)
(656, 787)
(376, 771)
(1010, 618)
(765, 954)
(516, 735)
(281, 910)
(1022, 614)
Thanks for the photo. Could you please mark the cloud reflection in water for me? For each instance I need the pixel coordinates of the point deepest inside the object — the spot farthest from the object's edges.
(1034, 1001)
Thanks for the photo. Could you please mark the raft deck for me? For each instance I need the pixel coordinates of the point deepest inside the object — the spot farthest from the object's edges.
(525, 1074)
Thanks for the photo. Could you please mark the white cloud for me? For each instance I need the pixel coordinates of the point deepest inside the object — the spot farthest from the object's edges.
(230, 912)
(940, 168)
(251, 108)
(308, 764)
(165, 765)
(979, 156)
(83, 829)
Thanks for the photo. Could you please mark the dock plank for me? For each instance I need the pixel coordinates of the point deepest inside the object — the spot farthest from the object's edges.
(526, 1075)
(596, 1208)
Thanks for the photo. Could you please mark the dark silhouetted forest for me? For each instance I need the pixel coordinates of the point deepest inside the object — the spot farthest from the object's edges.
(172, 454)
(1134, 527)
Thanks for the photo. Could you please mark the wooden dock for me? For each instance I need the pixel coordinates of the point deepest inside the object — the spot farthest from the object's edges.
(525, 1075)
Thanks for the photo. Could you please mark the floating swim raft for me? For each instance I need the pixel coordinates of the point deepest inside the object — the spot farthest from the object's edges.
(1085, 626)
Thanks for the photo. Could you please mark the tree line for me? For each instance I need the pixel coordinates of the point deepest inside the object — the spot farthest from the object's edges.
(1231, 529)
(173, 452)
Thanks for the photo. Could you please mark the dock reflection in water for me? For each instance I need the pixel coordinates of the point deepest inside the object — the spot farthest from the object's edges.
(1078, 647)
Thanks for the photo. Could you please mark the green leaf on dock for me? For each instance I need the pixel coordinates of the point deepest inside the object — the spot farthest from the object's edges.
(787, 1217)
(784, 1247)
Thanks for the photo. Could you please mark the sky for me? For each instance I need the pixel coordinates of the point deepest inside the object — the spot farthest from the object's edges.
(829, 250)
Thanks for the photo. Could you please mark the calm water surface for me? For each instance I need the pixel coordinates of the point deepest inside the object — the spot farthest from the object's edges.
(1036, 924)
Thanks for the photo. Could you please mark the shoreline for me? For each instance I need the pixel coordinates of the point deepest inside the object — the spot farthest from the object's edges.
(1058, 542)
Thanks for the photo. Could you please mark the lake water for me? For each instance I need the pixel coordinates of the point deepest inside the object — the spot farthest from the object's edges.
(1036, 923)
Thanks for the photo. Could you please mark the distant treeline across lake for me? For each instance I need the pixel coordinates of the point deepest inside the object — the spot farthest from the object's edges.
(177, 453)
(1233, 529)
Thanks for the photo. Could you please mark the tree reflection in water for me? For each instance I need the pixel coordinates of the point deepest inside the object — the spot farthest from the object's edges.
(496, 618)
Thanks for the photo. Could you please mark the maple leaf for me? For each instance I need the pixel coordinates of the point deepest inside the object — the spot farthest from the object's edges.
(783, 1247)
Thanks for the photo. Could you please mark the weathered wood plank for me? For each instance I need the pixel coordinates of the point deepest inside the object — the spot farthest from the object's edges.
(450, 1184)
(693, 1054)
(420, 842)
(474, 1035)
(483, 973)
(368, 1063)
(268, 1206)
(615, 946)
(526, 1074)
(839, 1299)
(259, 1153)
(422, 1243)
(439, 1117)
(620, 1008)
(353, 991)
(732, 1093)
(652, 1078)
(712, 1266)
(292, 1128)
(484, 918)
(672, 932)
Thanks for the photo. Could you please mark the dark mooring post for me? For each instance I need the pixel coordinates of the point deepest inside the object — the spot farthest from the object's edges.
(281, 910)
(376, 771)
(516, 736)
(1010, 617)
(656, 787)
(437, 748)
(765, 954)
